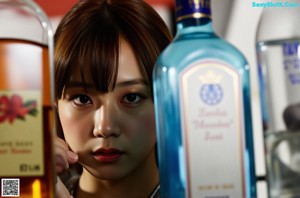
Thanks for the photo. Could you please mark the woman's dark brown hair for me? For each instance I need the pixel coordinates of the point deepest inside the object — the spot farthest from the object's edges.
(88, 36)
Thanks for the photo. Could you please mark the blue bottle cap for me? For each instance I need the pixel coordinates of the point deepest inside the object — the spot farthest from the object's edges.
(192, 9)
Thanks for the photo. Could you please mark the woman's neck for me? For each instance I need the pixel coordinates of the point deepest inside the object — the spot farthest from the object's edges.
(141, 182)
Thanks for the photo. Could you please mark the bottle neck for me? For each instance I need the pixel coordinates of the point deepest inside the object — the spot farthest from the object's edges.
(193, 15)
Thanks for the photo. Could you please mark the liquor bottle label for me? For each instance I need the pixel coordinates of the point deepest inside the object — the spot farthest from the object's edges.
(213, 129)
(291, 63)
(21, 132)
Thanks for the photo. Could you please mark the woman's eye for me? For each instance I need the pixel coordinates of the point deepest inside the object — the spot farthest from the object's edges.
(82, 100)
(132, 98)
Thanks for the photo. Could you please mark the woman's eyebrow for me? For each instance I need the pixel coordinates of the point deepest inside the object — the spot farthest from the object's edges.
(76, 84)
(79, 84)
(132, 82)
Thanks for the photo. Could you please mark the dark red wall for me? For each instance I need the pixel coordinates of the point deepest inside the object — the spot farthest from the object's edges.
(60, 7)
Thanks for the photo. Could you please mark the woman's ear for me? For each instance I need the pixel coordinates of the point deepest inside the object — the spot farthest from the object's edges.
(55, 105)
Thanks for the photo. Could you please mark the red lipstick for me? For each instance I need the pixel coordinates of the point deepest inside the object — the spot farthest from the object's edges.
(107, 155)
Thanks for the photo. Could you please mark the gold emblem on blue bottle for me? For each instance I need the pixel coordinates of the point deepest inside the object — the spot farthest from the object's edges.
(211, 91)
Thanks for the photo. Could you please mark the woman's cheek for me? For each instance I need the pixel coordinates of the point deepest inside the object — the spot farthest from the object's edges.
(148, 118)
(72, 124)
(145, 122)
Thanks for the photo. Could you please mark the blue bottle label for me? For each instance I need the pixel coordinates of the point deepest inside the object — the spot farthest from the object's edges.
(213, 130)
(192, 9)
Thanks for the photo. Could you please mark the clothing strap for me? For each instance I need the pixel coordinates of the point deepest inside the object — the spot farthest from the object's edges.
(155, 193)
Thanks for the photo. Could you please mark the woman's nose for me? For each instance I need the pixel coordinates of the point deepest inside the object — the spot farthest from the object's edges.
(106, 121)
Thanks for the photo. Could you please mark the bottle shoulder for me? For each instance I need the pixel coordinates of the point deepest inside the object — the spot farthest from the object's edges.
(191, 48)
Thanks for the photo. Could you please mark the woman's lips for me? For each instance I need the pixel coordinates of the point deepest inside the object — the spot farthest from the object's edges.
(107, 155)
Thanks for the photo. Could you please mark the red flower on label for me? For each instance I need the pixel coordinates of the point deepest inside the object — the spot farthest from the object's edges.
(12, 108)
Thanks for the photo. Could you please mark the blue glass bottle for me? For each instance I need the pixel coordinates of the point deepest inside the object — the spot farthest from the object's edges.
(203, 112)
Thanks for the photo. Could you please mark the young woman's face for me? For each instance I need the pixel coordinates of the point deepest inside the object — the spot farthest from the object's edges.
(113, 133)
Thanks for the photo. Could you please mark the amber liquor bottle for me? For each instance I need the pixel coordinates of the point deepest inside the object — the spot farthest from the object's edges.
(26, 95)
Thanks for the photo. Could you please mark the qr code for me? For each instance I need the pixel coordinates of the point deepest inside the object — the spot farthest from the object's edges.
(10, 187)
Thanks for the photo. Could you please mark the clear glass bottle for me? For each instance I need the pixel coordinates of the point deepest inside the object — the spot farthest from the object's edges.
(26, 98)
(283, 164)
(277, 44)
(278, 55)
(203, 111)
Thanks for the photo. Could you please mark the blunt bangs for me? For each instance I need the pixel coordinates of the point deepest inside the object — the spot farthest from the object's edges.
(99, 51)
(94, 46)
(89, 36)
